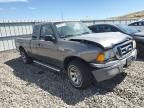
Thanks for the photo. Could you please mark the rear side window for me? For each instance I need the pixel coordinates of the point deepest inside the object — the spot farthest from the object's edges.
(141, 23)
(97, 29)
(109, 28)
(103, 28)
(36, 31)
(133, 24)
(94, 29)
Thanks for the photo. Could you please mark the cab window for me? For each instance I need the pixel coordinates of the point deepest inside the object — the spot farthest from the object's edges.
(46, 30)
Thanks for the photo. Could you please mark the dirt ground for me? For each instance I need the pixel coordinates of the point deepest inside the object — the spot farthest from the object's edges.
(38, 87)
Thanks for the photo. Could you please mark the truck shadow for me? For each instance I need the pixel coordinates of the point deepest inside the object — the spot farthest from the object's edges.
(141, 59)
(58, 84)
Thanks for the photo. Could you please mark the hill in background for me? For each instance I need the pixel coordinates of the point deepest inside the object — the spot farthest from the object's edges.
(135, 15)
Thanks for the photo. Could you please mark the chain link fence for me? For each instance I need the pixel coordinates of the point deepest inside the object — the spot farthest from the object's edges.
(10, 30)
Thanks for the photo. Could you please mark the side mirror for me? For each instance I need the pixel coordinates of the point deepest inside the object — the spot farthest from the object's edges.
(49, 38)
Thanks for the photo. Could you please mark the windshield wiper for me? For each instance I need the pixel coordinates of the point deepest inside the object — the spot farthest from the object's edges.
(86, 33)
(66, 36)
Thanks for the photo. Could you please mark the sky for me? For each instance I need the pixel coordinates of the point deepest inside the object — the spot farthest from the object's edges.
(67, 9)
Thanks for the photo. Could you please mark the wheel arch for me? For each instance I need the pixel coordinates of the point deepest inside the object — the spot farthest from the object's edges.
(21, 48)
(67, 60)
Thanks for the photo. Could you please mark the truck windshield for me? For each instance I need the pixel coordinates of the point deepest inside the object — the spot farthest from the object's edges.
(70, 29)
(127, 29)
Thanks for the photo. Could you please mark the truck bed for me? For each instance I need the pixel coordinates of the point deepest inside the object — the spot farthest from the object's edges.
(23, 41)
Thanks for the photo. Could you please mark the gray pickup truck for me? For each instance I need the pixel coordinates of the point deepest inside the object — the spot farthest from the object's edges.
(81, 54)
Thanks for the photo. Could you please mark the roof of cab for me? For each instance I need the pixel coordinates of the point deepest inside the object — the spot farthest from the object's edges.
(116, 25)
(55, 22)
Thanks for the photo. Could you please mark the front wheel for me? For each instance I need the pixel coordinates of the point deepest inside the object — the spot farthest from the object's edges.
(79, 74)
(140, 50)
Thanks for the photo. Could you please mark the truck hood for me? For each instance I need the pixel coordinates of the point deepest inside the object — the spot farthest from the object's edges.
(106, 40)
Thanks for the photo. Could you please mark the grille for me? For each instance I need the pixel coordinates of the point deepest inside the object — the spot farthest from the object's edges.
(124, 48)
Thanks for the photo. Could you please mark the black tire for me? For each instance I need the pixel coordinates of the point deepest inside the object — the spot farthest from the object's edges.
(26, 59)
(84, 73)
(140, 50)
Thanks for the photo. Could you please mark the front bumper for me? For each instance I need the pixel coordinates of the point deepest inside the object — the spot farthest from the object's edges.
(111, 69)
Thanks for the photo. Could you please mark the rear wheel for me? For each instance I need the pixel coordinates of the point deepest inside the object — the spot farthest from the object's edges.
(79, 74)
(26, 59)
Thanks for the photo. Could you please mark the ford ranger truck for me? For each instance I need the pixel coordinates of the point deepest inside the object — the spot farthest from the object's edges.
(83, 55)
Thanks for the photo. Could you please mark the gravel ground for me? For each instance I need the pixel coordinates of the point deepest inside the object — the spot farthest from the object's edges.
(35, 86)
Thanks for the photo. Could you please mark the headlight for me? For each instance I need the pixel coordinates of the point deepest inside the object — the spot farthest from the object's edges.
(101, 57)
(109, 54)
(134, 44)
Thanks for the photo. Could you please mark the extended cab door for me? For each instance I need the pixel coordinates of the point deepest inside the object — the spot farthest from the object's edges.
(47, 49)
(34, 41)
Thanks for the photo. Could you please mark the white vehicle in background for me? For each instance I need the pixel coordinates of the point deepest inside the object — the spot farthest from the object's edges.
(139, 25)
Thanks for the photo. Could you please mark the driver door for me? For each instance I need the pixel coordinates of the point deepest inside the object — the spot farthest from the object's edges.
(47, 50)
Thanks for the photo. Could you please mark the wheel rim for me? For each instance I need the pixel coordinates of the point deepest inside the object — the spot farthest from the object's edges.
(23, 56)
(75, 75)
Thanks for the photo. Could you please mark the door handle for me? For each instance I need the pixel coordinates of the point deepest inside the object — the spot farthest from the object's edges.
(40, 45)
